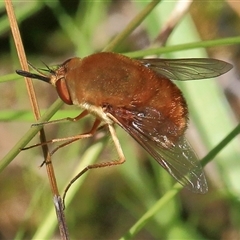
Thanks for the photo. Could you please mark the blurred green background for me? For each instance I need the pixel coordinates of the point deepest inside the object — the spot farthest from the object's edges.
(106, 203)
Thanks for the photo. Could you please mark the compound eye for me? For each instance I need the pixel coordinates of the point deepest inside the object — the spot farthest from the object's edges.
(63, 91)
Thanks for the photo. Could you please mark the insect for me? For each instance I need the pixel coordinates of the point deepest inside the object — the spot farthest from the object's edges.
(139, 96)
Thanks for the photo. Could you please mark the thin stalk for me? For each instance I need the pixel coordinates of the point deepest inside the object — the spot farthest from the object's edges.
(131, 26)
(185, 46)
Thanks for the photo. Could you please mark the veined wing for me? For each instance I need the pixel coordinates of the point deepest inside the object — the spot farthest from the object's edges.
(177, 158)
(187, 69)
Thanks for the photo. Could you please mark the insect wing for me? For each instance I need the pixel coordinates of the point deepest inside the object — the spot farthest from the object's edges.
(179, 159)
(188, 69)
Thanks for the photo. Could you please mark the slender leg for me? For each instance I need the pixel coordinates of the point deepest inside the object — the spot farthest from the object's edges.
(81, 115)
(121, 160)
(70, 139)
(78, 137)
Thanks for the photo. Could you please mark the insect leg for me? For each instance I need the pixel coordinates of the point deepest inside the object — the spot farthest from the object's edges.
(81, 115)
(121, 160)
(77, 137)
(73, 138)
